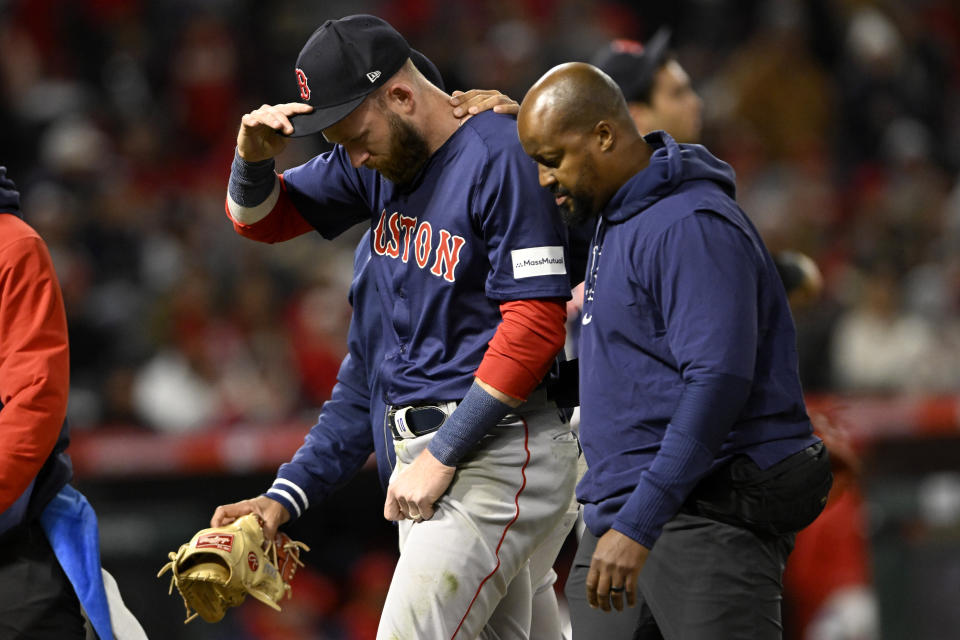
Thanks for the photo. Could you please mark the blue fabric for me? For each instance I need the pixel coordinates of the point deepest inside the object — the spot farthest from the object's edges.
(687, 344)
(351, 424)
(478, 195)
(9, 196)
(250, 182)
(71, 527)
(476, 414)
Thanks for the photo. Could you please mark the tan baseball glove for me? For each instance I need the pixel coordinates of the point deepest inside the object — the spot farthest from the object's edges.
(220, 566)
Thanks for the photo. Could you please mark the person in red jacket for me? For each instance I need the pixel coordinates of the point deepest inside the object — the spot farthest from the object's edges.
(51, 582)
(34, 383)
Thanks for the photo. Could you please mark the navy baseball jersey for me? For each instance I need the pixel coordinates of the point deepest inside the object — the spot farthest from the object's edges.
(472, 230)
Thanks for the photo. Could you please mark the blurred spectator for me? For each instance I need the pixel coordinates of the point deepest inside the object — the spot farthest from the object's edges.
(316, 323)
(827, 585)
(788, 111)
(828, 592)
(878, 346)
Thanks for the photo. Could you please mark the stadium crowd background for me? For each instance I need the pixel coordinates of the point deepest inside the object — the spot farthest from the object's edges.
(841, 118)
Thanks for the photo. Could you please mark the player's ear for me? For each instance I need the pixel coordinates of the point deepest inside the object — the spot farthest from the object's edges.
(399, 97)
(604, 135)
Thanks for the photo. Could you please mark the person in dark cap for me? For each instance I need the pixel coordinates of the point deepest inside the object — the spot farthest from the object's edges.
(657, 89)
(51, 582)
(470, 270)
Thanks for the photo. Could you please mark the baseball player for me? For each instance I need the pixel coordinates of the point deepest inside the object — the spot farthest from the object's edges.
(702, 460)
(347, 433)
(470, 267)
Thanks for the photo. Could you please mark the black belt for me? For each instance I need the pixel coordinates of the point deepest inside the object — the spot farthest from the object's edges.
(414, 421)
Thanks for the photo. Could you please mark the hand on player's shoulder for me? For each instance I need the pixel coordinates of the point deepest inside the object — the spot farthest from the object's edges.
(469, 103)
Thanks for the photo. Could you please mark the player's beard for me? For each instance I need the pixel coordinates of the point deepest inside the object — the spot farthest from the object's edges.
(407, 155)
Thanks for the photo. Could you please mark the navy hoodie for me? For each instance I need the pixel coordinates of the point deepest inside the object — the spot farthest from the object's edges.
(688, 349)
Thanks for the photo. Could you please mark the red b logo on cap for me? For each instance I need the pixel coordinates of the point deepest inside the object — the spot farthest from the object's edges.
(622, 45)
(302, 83)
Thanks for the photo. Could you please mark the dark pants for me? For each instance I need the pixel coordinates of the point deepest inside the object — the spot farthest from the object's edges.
(36, 599)
(716, 570)
(703, 579)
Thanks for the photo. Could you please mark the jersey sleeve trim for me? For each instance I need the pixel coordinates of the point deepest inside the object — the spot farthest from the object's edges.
(293, 506)
(297, 489)
(251, 215)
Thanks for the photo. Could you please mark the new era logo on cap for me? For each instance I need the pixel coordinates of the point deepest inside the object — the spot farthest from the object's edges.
(345, 60)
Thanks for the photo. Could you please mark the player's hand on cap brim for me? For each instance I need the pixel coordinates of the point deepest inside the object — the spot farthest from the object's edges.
(263, 131)
(469, 103)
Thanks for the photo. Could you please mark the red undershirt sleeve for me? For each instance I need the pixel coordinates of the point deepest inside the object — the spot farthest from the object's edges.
(522, 350)
(34, 363)
(282, 223)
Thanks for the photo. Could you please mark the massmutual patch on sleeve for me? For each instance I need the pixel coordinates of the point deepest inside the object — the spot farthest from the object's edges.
(538, 261)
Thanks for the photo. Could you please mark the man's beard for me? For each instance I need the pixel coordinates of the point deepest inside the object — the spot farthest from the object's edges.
(407, 155)
(578, 207)
(576, 210)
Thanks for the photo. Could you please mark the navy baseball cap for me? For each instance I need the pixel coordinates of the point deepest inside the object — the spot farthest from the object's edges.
(342, 63)
(632, 65)
(429, 70)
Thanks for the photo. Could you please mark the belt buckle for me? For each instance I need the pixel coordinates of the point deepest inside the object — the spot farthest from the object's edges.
(398, 420)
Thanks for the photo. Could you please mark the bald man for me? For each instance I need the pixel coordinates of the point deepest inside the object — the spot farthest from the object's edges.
(702, 460)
